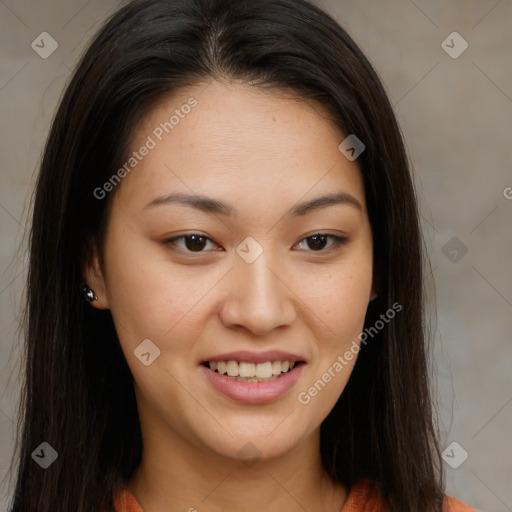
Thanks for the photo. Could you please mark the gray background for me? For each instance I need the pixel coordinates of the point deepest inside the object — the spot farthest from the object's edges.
(456, 115)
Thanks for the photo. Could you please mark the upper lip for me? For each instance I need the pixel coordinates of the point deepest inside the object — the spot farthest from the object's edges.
(255, 357)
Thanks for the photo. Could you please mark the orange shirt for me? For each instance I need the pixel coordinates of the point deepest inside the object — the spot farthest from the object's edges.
(362, 498)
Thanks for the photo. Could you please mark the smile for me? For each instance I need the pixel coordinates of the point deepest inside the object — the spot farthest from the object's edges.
(252, 383)
(251, 372)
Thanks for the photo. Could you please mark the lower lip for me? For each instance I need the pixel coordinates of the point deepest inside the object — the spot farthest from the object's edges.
(253, 392)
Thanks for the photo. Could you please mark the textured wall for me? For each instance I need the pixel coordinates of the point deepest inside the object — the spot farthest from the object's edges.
(455, 110)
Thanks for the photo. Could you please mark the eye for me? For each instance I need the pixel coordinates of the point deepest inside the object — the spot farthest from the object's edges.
(193, 242)
(319, 241)
(196, 242)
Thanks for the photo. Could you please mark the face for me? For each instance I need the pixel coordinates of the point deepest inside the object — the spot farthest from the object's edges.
(220, 257)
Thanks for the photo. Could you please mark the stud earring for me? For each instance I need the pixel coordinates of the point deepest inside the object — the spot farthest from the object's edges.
(89, 294)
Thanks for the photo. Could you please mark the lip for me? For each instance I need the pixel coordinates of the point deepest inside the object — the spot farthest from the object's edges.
(247, 356)
(253, 392)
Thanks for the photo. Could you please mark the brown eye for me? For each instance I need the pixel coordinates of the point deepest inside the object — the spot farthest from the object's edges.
(196, 243)
(317, 242)
(192, 243)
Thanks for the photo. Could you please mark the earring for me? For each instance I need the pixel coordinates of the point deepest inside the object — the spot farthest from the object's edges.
(89, 294)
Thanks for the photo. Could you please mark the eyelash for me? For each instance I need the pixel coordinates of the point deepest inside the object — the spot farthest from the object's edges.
(338, 241)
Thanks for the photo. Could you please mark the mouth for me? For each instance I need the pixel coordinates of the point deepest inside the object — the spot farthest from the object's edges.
(243, 371)
(250, 378)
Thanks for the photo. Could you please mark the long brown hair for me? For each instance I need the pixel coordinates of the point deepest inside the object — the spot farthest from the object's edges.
(78, 391)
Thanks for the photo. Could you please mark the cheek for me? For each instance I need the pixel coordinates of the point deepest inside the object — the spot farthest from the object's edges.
(148, 297)
(341, 298)
(346, 301)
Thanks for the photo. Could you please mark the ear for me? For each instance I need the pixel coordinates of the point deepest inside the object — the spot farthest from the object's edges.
(93, 275)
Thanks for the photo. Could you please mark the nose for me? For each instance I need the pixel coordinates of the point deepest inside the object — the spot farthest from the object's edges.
(257, 299)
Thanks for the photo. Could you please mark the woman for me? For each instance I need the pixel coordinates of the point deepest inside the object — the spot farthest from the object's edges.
(226, 186)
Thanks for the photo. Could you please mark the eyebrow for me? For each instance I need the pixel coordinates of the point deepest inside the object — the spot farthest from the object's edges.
(214, 206)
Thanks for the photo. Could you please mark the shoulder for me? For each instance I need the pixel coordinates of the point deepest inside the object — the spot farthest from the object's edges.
(453, 505)
(124, 501)
(365, 496)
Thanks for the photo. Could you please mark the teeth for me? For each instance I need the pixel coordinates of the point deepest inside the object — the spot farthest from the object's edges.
(248, 370)
(254, 379)
(232, 369)
(263, 370)
(252, 372)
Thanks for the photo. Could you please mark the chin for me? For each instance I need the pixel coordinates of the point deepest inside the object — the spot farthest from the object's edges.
(249, 444)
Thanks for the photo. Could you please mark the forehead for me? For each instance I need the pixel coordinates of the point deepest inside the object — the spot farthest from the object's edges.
(237, 141)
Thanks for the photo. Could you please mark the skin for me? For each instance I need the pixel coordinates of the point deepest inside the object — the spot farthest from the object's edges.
(261, 152)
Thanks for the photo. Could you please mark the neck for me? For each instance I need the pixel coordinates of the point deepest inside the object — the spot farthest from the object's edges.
(176, 475)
